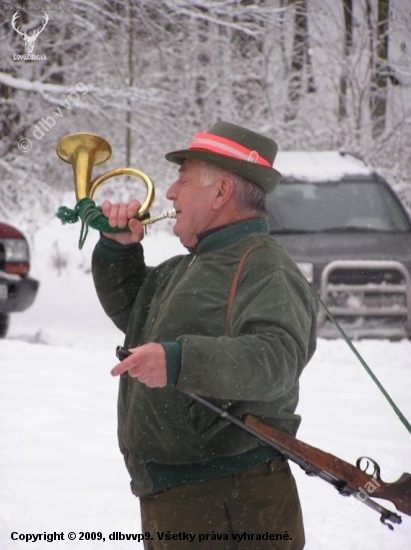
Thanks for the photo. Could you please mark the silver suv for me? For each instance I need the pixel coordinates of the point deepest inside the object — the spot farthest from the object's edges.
(349, 233)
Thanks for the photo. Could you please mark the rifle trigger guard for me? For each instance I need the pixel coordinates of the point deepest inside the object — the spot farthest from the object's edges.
(383, 520)
(370, 463)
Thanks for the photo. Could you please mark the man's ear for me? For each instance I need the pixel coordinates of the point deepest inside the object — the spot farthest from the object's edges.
(224, 192)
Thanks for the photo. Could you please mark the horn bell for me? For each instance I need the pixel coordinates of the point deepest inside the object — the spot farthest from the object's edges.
(83, 150)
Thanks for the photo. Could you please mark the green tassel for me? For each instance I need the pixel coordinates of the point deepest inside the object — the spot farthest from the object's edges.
(67, 215)
(90, 216)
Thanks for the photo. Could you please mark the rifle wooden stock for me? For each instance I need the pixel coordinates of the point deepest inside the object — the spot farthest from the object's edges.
(348, 478)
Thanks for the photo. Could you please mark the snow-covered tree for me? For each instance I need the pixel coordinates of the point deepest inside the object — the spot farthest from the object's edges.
(147, 74)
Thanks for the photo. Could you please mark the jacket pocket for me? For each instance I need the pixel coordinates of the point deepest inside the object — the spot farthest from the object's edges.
(201, 418)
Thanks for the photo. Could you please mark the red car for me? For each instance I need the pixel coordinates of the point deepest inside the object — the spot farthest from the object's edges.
(17, 289)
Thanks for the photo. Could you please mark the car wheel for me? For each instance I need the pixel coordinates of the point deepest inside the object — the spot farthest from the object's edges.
(4, 324)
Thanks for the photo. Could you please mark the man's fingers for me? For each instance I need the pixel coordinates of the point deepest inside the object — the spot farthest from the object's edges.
(124, 366)
(122, 218)
(105, 208)
(132, 208)
(113, 215)
(147, 363)
(137, 229)
(119, 214)
(131, 364)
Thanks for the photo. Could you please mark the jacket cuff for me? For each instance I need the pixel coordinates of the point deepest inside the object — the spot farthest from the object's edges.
(173, 352)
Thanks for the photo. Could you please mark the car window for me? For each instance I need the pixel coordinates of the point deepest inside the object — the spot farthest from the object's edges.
(335, 206)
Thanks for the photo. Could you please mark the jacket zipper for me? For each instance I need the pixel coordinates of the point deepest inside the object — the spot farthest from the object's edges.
(192, 261)
(134, 381)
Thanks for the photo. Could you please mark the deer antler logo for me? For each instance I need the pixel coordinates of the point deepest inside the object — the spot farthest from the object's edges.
(29, 40)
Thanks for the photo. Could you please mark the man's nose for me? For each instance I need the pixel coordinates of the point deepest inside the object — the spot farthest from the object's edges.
(171, 192)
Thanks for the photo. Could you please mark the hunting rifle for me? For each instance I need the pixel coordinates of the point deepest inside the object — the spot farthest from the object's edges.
(349, 480)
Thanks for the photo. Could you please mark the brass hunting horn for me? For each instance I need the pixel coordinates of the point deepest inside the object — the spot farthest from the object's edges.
(83, 151)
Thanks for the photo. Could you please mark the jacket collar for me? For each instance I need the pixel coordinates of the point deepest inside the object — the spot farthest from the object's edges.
(226, 235)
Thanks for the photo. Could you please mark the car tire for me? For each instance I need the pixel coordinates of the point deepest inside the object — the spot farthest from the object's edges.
(4, 324)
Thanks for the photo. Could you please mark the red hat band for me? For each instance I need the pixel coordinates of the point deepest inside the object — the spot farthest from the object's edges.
(227, 147)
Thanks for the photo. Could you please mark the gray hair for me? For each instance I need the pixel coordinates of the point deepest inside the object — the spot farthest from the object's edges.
(249, 195)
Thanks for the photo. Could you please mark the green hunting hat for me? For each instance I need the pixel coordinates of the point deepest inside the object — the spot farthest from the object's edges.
(237, 150)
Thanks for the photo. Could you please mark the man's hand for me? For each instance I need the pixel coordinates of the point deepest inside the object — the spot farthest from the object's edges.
(123, 215)
(147, 363)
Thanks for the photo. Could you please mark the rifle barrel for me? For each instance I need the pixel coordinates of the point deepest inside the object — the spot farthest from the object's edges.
(251, 426)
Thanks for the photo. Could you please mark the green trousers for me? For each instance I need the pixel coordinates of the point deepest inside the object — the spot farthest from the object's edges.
(258, 509)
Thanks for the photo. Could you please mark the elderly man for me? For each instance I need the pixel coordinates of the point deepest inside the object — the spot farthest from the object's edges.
(232, 320)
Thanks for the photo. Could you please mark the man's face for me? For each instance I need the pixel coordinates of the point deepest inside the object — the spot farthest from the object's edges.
(192, 202)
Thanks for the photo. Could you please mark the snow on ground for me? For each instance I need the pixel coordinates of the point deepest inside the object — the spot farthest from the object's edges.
(60, 468)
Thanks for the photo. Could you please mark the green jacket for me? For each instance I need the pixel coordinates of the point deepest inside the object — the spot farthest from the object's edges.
(248, 361)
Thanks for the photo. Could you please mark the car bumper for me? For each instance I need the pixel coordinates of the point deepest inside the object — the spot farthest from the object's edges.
(364, 329)
(16, 293)
(369, 309)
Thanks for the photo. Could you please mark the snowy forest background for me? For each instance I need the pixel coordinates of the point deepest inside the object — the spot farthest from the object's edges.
(148, 74)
